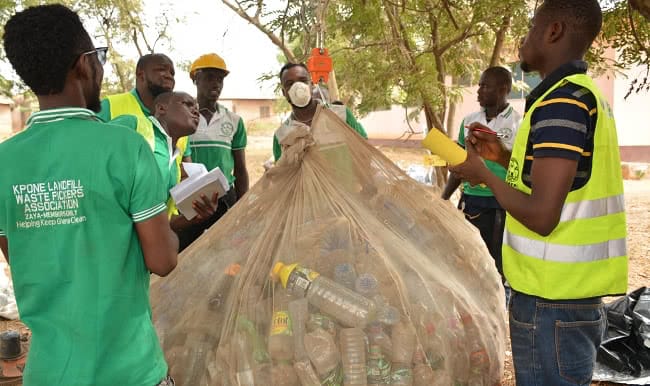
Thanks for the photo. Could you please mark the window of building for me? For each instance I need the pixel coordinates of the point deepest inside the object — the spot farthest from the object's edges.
(523, 82)
(265, 111)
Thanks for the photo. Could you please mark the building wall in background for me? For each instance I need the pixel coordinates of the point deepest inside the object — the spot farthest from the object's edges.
(252, 109)
(632, 116)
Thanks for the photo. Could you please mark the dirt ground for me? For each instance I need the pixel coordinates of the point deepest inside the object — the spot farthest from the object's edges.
(637, 196)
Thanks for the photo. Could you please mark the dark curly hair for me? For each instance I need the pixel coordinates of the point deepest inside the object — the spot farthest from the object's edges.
(42, 43)
(583, 19)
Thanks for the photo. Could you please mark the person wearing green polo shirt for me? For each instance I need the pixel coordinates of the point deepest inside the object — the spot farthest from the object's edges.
(176, 115)
(477, 202)
(154, 76)
(220, 139)
(81, 230)
(294, 76)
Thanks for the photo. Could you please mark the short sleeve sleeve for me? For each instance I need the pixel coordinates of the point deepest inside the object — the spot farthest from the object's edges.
(148, 193)
(2, 233)
(277, 149)
(353, 123)
(560, 124)
(239, 140)
(461, 133)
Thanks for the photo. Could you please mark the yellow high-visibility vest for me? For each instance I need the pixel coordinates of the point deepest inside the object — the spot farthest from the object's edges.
(127, 104)
(585, 255)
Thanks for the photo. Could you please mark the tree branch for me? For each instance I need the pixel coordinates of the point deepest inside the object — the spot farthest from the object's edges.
(284, 22)
(642, 46)
(274, 38)
(359, 47)
(162, 32)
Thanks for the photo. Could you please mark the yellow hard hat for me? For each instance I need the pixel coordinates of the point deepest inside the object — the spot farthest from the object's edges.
(208, 61)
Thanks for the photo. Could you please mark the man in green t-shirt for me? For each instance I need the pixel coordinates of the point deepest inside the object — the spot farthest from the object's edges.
(219, 141)
(478, 203)
(176, 115)
(81, 229)
(297, 88)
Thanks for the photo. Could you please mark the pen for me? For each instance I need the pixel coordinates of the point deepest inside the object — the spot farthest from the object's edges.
(499, 135)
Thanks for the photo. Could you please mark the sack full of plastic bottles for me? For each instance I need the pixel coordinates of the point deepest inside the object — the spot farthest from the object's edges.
(335, 269)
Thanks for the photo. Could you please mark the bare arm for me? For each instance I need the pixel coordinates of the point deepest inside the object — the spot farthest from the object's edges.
(551, 180)
(240, 172)
(452, 184)
(4, 247)
(159, 244)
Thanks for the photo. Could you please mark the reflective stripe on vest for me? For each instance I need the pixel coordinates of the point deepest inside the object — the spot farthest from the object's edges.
(585, 255)
(593, 208)
(565, 253)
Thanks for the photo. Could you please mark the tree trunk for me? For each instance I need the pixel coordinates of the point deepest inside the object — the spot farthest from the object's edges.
(500, 39)
(450, 117)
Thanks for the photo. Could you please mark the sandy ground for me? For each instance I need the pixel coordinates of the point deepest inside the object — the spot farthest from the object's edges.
(637, 196)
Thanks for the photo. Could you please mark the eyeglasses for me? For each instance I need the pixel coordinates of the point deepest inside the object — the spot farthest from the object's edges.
(101, 54)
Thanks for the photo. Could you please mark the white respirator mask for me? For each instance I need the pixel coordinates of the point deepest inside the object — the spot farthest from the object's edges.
(300, 94)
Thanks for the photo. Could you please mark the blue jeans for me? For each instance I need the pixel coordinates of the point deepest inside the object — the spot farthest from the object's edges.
(554, 342)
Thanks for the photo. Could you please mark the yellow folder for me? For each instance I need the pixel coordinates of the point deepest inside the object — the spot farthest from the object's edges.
(445, 148)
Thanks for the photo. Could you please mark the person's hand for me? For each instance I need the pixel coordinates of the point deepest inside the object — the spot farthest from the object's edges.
(205, 207)
(487, 143)
(473, 170)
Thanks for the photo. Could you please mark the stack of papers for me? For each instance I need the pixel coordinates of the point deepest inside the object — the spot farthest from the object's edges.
(199, 182)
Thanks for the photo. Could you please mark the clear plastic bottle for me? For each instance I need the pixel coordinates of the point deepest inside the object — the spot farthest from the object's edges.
(378, 367)
(353, 356)
(404, 341)
(388, 315)
(345, 275)
(244, 352)
(322, 352)
(377, 336)
(283, 374)
(317, 320)
(281, 334)
(299, 312)
(306, 373)
(260, 354)
(401, 375)
(367, 285)
(422, 372)
(347, 306)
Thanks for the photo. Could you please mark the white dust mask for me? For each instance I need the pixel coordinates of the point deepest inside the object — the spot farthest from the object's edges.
(300, 94)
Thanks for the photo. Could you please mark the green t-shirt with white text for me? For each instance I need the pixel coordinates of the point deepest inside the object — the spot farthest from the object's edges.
(68, 205)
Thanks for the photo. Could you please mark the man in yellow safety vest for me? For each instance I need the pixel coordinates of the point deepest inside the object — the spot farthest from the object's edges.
(154, 76)
(564, 241)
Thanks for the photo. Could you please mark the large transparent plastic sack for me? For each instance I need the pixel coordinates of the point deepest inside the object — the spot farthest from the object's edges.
(335, 269)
